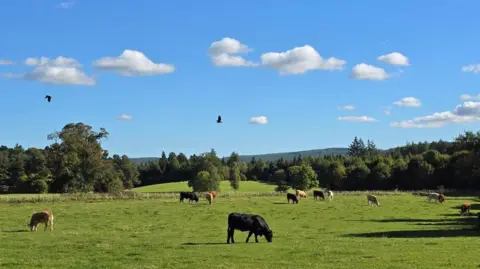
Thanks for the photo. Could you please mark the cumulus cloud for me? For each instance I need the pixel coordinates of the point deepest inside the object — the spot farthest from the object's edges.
(408, 102)
(356, 119)
(223, 53)
(61, 70)
(125, 117)
(467, 112)
(470, 97)
(394, 58)
(6, 62)
(66, 4)
(300, 60)
(474, 68)
(132, 63)
(259, 120)
(368, 72)
(346, 107)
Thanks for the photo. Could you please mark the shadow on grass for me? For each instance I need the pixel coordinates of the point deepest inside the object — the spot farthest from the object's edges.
(279, 203)
(421, 233)
(204, 244)
(14, 231)
(453, 227)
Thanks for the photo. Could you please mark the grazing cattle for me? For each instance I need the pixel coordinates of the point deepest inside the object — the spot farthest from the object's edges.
(214, 194)
(41, 217)
(293, 197)
(301, 193)
(465, 209)
(191, 196)
(255, 224)
(330, 195)
(372, 199)
(318, 194)
(209, 197)
(436, 197)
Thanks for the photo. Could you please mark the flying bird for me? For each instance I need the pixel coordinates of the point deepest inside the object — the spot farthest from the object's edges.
(219, 120)
(48, 97)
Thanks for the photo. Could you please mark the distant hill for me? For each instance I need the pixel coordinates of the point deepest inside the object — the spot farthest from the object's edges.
(272, 156)
(290, 155)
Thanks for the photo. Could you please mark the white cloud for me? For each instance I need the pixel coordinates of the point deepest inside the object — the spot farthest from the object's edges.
(474, 68)
(133, 63)
(368, 72)
(388, 111)
(259, 120)
(66, 4)
(223, 53)
(346, 107)
(61, 70)
(300, 60)
(467, 112)
(356, 119)
(59, 62)
(6, 62)
(408, 102)
(394, 58)
(125, 117)
(470, 97)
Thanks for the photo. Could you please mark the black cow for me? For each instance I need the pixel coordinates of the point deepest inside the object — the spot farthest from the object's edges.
(318, 194)
(191, 196)
(255, 224)
(291, 196)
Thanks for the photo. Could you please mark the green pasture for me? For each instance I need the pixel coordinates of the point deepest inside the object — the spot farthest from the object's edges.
(404, 232)
(245, 186)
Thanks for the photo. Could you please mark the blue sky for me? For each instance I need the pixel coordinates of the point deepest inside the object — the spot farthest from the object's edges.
(176, 95)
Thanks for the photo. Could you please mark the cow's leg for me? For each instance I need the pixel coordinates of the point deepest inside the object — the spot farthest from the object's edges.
(256, 238)
(230, 233)
(46, 226)
(248, 237)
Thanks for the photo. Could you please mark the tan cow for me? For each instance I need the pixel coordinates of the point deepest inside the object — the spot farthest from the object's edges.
(214, 194)
(372, 199)
(209, 197)
(300, 193)
(41, 217)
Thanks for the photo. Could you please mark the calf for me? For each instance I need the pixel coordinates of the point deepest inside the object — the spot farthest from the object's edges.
(317, 194)
(436, 197)
(301, 193)
(330, 195)
(291, 196)
(214, 194)
(191, 196)
(41, 217)
(372, 199)
(209, 197)
(465, 209)
(255, 224)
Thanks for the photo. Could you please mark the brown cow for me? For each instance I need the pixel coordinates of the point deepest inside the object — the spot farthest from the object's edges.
(465, 209)
(214, 194)
(41, 217)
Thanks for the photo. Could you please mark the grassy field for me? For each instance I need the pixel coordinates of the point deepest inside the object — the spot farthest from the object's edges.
(404, 232)
(245, 186)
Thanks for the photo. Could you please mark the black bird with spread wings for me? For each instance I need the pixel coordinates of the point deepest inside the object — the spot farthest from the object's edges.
(219, 120)
(48, 97)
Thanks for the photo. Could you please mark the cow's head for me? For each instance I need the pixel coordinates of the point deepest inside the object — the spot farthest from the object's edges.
(268, 235)
(441, 198)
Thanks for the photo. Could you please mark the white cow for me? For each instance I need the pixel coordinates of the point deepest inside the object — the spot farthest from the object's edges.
(436, 197)
(330, 195)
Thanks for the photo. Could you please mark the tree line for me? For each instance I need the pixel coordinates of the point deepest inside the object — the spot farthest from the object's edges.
(76, 162)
